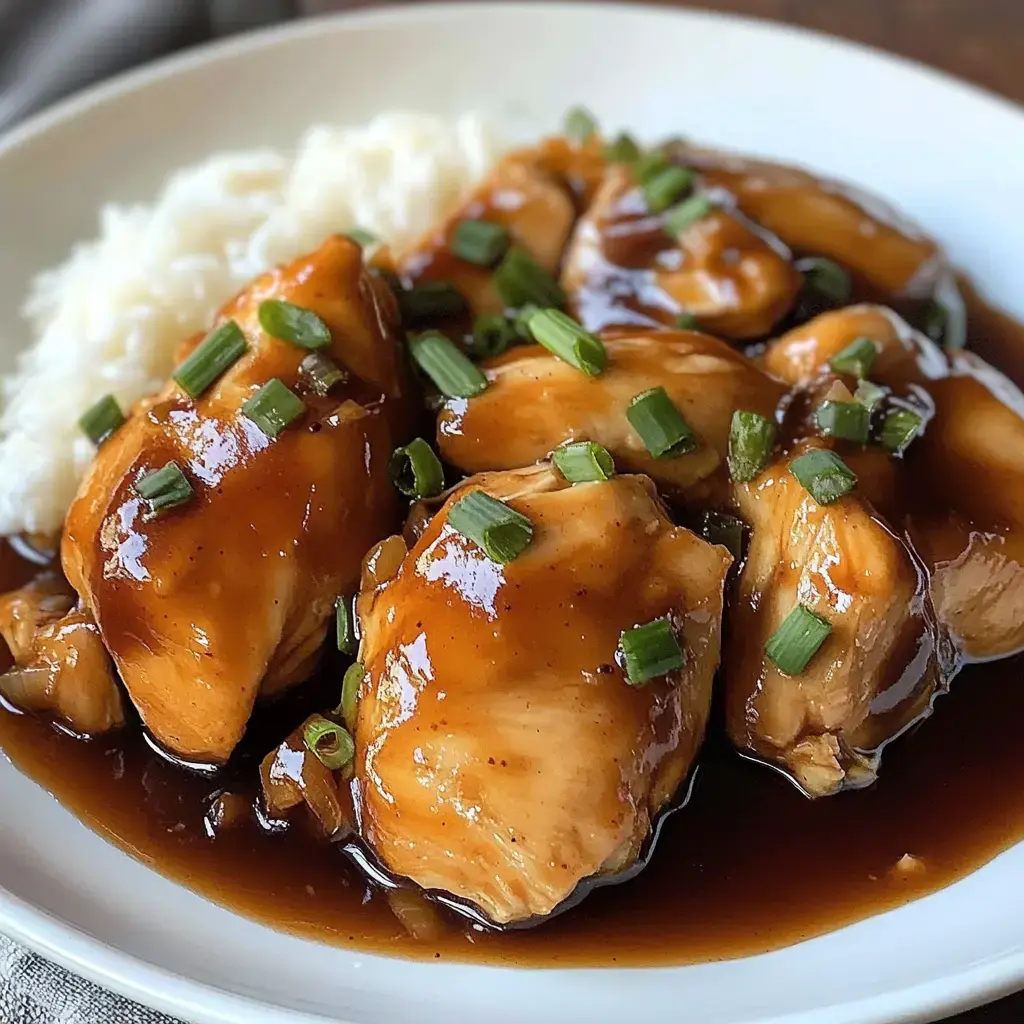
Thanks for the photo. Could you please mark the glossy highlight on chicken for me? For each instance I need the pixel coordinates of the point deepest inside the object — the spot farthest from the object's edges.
(643, 450)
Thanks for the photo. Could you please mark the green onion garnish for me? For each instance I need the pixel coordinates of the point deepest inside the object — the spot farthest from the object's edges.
(869, 395)
(849, 421)
(416, 471)
(519, 281)
(720, 528)
(686, 213)
(362, 237)
(827, 278)
(479, 241)
(901, 426)
(650, 651)
(500, 530)
(350, 685)
(331, 743)
(751, 438)
(321, 373)
(521, 321)
(622, 149)
(687, 322)
(344, 627)
(667, 186)
(273, 407)
(164, 488)
(797, 640)
(293, 323)
(856, 359)
(946, 322)
(660, 425)
(564, 337)
(492, 334)
(101, 420)
(823, 475)
(451, 370)
(433, 300)
(648, 164)
(583, 461)
(214, 355)
(580, 125)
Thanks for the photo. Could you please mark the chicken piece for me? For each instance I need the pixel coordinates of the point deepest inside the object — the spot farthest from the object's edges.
(535, 402)
(624, 268)
(61, 665)
(493, 719)
(877, 670)
(204, 604)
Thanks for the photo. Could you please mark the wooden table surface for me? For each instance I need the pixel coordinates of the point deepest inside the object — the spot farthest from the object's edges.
(980, 40)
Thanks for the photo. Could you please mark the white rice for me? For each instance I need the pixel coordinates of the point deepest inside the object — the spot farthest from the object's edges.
(109, 319)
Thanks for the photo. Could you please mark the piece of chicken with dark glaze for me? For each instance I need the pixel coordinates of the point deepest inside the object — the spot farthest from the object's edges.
(207, 604)
(535, 402)
(493, 718)
(968, 463)
(880, 664)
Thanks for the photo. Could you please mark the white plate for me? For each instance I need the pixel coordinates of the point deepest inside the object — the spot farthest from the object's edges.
(949, 155)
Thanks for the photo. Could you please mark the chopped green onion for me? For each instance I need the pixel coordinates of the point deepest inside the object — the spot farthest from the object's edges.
(622, 150)
(580, 125)
(583, 461)
(273, 407)
(687, 322)
(823, 475)
(331, 743)
(451, 370)
(416, 471)
(869, 395)
(293, 323)
(164, 488)
(344, 627)
(650, 651)
(101, 420)
(500, 530)
(321, 373)
(849, 421)
(519, 280)
(521, 321)
(492, 334)
(213, 356)
(362, 237)
(660, 424)
(946, 322)
(350, 684)
(797, 640)
(433, 300)
(751, 437)
(564, 337)
(856, 359)
(901, 426)
(647, 164)
(720, 528)
(827, 278)
(479, 241)
(687, 213)
(664, 187)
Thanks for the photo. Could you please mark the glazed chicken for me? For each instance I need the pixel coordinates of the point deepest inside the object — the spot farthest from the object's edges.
(494, 719)
(206, 605)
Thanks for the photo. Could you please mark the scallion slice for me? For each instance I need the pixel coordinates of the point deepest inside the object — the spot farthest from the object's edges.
(164, 488)
(293, 323)
(649, 651)
(721, 528)
(500, 530)
(687, 322)
(331, 743)
(946, 322)
(826, 278)
(344, 628)
(416, 471)
(622, 149)
(857, 359)
(101, 420)
(900, 427)
(660, 424)
(823, 475)
(273, 407)
(350, 684)
(479, 241)
(431, 301)
(580, 125)
(687, 213)
(751, 438)
(213, 356)
(520, 281)
(451, 370)
(492, 334)
(848, 421)
(869, 395)
(362, 237)
(648, 164)
(583, 461)
(667, 186)
(321, 373)
(564, 337)
(792, 646)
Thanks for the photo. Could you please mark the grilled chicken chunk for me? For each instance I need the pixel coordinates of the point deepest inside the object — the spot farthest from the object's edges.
(535, 402)
(494, 720)
(624, 267)
(878, 668)
(205, 604)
